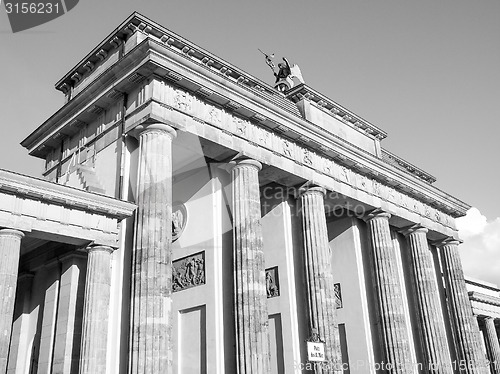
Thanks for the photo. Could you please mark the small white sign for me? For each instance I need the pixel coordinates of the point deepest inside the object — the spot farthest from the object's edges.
(315, 351)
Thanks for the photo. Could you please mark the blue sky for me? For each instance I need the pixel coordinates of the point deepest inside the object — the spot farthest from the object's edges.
(427, 72)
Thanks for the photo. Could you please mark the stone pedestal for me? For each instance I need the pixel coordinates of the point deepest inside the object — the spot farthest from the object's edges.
(465, 331)
(96, 311)
(318, 273)
(432, 333)
(390, 316)
(10, 246)
(151, 303)
(492, 344)
(251, 316)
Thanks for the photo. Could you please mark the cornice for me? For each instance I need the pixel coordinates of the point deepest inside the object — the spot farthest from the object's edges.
(405, 165)
(52, 193)
(303, 91)
(482, 298)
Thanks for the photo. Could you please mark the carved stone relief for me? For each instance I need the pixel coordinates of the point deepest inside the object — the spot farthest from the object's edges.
(179, 220)
(344, 172)
(188, 272)
(376, 187)
(427, 211)
(263, 136)
(241, 127)
(183, 100)
(215, 116)
(272, 282)
(338, 295)
(287, 148)
(307, 157)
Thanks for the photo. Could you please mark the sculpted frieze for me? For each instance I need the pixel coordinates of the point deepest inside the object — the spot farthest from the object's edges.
(437, 215)
(326, 166)
(376, 187)
(287, 148)
(427, 211)
(183, 101)
(345, 174)
(241, 127)
(214, 116)
(362, 182)
(391, 194)
(263, 136)
(282, 146)
(403, 200)
(417, 206)
(188, 272)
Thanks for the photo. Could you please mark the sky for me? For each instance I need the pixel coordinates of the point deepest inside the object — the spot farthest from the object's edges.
(426, 72)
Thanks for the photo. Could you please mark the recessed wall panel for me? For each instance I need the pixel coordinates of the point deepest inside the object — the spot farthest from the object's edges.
(192, 341)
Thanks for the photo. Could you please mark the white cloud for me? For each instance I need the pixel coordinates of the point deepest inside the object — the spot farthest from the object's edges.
(472, 224)
(480, 251)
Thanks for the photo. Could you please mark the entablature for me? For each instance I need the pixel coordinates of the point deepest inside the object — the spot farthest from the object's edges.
(157, 63)
(58, 195)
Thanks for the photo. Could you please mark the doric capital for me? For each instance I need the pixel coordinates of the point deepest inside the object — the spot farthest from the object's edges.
(377, 213)
(312, 189)
(11, 232)
(99, 248)
(447, 241)
(416, 228)
(154, 127)
(245, 162)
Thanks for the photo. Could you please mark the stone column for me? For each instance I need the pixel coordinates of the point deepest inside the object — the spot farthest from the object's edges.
(433, 340)
(318, 271)
(493, 345)
(10, 248)
(251, 316)
(19, 341)
(96, 311)
(465, 331)
(66, 357)
(390, 316)
(151, 302)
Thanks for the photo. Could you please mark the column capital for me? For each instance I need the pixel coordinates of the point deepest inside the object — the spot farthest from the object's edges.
(11, 232)
(447, 241)
(416, 228)
(312, 189)
(159, 127)
(241, 162)
(99, 248)
(376, 213)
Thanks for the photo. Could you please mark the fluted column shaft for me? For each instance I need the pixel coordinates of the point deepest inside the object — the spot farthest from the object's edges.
(96, 311)
(493, 345)
(430, 326)
(10, 247)
(465, 331)
(393, 327)
(151, 302)
(251, 315)
(318, 271)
